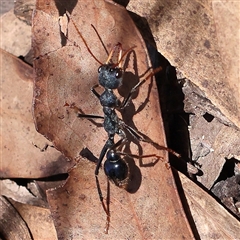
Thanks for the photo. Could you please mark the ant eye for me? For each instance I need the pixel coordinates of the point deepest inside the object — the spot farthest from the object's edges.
(118, 73)
(99, 69)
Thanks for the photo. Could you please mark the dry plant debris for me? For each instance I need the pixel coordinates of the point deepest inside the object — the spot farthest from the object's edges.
(194, 37)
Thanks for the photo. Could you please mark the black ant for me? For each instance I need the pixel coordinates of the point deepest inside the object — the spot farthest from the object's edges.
(110, 76)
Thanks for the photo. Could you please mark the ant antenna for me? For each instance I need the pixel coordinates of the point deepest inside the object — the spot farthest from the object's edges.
(120, 57)
(100, 39)
(74, 24)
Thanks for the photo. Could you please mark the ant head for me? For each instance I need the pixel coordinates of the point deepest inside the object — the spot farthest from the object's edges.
(110, 73)
(110, 76)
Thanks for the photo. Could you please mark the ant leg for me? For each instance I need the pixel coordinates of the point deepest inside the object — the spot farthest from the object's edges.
(139, 137)
(129, 97)
(107, 145)
(89, 116)
(94, 91)
(142, 156)
(108, 208)
(119, 143)
(80, 112)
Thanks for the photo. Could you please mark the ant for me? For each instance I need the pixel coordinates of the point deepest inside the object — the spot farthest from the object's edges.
(110, 76)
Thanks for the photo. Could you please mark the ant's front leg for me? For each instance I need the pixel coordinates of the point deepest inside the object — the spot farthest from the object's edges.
(127, 99)
(94, 91)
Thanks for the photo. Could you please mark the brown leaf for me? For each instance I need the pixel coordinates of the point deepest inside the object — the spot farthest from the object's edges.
(15, 228)
(16, 35)
(65, 73)
(212, 219)
(21, 159)
(212, 144)
(23, 9)
(38, 220)
(199, 38)
(11, 189)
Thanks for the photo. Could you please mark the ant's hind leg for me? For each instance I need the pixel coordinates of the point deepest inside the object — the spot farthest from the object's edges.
(106, 206)
(140, 137)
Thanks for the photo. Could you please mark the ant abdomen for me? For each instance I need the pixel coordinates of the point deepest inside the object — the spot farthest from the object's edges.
(115, 168)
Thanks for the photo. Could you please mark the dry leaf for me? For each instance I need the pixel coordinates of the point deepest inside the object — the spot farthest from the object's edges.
(38, 220)
(23, 9)
(65, 73)
(212, 220)
(20, 158)
(16, 35)
(201, 39)
(212, 144)
(15, 228)
(11, 189)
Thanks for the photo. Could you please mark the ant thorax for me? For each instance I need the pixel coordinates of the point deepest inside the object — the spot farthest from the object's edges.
(111, 121)
(109, 99)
